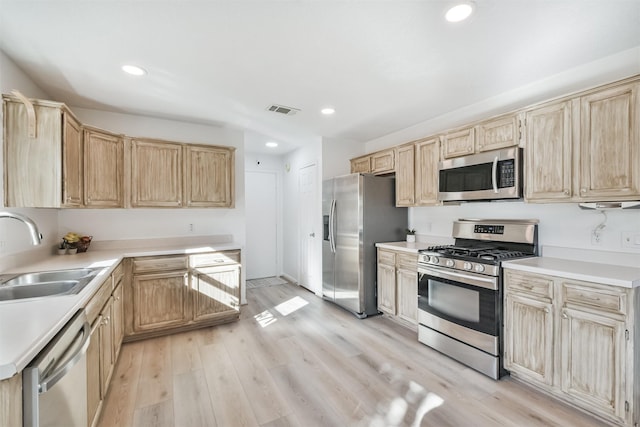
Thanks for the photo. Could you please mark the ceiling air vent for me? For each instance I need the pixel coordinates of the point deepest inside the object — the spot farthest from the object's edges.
(289, 111)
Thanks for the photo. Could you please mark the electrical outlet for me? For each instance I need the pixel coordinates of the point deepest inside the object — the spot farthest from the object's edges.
(631, 239)
(596, 238)
(191, 228)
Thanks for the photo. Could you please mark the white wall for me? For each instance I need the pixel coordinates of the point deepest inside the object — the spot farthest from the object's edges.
(560, 224)
(336, 154)
(293, 162)
(254, 162)
(14, 238)
(117, 224)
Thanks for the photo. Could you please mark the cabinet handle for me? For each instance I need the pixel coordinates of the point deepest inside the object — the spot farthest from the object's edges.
(583, 190)
(564, 316)
(468, 149)
(106, 320)
(546, 310)
(566, 192)
(179, 202)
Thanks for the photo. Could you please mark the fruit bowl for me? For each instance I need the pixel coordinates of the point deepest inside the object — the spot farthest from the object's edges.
(83, 243)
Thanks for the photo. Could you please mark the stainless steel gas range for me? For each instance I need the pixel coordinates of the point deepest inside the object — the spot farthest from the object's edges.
(460, 289)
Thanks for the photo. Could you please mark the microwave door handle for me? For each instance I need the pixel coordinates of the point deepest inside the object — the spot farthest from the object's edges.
(494, 175)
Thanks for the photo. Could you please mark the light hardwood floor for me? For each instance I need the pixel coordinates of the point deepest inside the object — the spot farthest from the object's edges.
(295, 360)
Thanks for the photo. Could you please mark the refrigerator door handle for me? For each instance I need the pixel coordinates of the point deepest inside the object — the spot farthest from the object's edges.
(332, 221)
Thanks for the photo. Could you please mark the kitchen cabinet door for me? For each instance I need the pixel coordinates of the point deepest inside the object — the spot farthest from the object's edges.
(209, 178)
(548, 153)
(106, 347)
(427, 158)
(610, 144)
(383, 162)
(156, 174)
(117, 320)
(387, 288)
(458, 143)
(103, 169)
(160, 301)
(72, 162)
(405, 175)
(94, 389)
(361, 165)
(45, 170)
(528, 328)
(216, 292)
(407, 283)
(500, 132)
(593, 361)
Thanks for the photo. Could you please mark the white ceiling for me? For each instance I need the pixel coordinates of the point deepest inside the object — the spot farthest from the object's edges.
(384, 65)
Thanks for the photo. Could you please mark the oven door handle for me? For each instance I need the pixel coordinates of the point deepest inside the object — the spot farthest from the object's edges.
(494, 175)
(481, 281)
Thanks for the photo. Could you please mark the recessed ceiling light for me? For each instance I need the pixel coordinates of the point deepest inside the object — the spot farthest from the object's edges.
(459, 12)
(271, 144)
(133, 70)
(327, 111)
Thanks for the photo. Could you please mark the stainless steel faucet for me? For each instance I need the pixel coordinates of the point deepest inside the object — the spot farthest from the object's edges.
(36, 237)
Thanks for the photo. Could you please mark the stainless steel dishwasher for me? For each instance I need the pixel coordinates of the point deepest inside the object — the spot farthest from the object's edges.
(54, 385)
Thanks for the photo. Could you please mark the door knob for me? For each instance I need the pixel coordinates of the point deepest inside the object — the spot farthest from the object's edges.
(312, 234)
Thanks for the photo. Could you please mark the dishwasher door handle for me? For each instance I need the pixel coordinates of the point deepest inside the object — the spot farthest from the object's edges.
(84, 337)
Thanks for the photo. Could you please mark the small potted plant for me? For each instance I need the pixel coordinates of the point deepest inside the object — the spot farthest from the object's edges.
(411, 235)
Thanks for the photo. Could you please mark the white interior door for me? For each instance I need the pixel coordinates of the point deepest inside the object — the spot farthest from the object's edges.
(309, 212)
(261, 210)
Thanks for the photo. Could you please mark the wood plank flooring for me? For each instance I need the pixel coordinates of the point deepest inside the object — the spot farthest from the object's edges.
(296, 360)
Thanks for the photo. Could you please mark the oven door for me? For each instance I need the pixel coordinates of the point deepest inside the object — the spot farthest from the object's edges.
(469, 300)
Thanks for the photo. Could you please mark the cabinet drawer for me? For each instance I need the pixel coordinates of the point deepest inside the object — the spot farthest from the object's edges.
(143, 265)
(215, 258)
(584, 294)
(98, 301)
(386, 257)
(407, 261)
(529, 283)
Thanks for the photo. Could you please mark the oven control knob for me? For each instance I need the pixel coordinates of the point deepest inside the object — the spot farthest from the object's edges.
(467, 266)
(434, 260)
(479, 268)
(450, 263)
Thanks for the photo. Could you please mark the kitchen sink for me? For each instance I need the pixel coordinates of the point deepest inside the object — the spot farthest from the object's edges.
(46, 283)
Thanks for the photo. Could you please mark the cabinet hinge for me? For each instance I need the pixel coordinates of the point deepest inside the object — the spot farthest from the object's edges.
(626, 334)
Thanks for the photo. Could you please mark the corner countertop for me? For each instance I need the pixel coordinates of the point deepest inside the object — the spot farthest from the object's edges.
(26, 326)
(405, 246)
(608, 274)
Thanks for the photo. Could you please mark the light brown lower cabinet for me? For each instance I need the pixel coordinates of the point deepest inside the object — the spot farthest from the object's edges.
(398, 286)
(104, 346)
(574, 340)
(174, 293)
(11, 401)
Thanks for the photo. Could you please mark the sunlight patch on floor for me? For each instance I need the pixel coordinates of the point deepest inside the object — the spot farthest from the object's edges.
(288, 307)
(265, 318)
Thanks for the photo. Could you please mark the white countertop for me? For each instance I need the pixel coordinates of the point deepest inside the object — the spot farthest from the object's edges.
(405, 246)
(608, 274)
(26, 326)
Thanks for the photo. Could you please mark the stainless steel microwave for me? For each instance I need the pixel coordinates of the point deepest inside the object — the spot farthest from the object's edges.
(485, 176)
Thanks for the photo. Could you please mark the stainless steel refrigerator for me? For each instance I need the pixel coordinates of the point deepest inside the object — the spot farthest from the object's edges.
(358, 211)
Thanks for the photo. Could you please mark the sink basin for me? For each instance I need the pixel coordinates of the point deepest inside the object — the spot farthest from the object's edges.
(49, 276)
(40, 290)
(46, 283)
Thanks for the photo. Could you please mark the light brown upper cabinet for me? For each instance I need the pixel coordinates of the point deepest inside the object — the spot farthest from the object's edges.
(405, 175)
(383, 162)
(458, 143)
(103, 169)
(378, 163)
(609, 162)
(209, 177)
(361, 164)
(427, 158)
(500, 132)
(585, 148)
(167, 174)
(156, 174)
(547, 140)
(43, 170)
